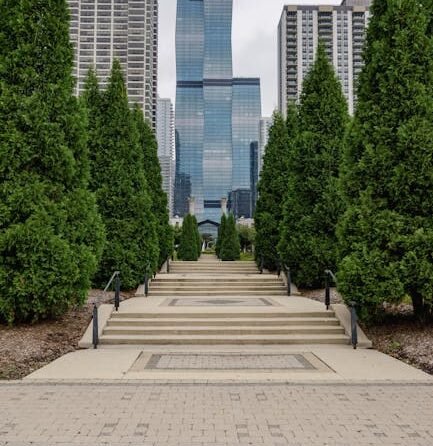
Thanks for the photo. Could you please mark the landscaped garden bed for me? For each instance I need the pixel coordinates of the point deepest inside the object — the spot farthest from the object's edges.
(27, 347)
(398, 335)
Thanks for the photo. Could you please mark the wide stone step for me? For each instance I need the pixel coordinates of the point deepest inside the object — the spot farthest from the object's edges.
(213, 262)
(231, 330)
(216, 292)
(218, 281)
(224, 322)
(218, 271)
(301, 339)
(217, 287)
(207, 314)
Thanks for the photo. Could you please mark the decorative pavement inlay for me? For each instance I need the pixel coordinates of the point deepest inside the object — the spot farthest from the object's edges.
(203, 302)
(222, 361)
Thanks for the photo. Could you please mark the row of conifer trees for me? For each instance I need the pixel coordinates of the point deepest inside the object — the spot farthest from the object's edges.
(80, 183)
(355, 195)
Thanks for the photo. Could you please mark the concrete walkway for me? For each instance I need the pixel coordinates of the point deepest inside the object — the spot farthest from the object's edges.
(213, 394)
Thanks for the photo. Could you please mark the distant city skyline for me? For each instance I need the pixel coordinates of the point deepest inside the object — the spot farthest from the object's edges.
(255, 46)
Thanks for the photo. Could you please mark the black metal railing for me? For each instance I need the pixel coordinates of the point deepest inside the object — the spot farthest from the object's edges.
(288, 274)
(331, 278)
(168, 265)
(354, 324)
(261, 264)
(147, 277)
(114, 278)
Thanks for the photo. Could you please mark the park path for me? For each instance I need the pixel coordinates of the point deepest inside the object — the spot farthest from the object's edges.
(219, 355)
(216, 415)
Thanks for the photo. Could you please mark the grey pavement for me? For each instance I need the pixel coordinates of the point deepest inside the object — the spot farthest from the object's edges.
(187, 414)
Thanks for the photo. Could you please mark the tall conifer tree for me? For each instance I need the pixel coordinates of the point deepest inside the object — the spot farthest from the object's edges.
(188, 248)
(271, 188)
(120, 185)
(221, 234)
(51, 235)
(312, 205)
(230, 244)
(152, 170)
(386, 235)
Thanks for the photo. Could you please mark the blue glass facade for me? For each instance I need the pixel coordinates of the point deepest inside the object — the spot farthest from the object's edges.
(217, 117)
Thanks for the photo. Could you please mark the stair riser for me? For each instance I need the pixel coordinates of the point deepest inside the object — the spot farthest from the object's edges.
(204, 315)
(217, 341)
(249, 290)
(209, 322)
(225, 331)
(234, 282)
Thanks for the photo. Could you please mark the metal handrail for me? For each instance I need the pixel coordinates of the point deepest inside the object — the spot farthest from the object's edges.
(330, 276)
(95, 331)
(146, 279)
(289, 279)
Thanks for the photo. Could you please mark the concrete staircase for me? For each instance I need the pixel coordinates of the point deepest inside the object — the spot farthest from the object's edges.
(263, 314)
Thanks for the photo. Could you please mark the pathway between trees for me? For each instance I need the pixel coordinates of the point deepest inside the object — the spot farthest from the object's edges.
(220, 355)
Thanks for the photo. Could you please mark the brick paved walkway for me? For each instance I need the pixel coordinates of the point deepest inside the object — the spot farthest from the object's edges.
(216, 414)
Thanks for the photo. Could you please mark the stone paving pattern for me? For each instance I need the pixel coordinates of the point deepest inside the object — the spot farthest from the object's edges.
(216, 414)
(227, 362)
(191, 302)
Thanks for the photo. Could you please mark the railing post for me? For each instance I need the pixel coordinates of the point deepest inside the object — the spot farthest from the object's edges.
(95, 327)
(289, 280)
(279, 269)
(262, 264)
(327, 291)
(146, 285)
(168, 265)
(354, 322)
(117, 293)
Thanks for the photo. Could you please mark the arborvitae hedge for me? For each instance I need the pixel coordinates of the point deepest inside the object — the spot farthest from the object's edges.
(188, 248)
(271, 189)
(221, 234)
(51, 235)
(152, 171)
(386, 235)
(121, 188)
(197, 235)
(230, 245)
(312, 204)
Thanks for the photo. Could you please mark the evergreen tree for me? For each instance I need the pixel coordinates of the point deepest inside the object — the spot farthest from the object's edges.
(386, 235)
(152, 170)
(230, 245)
(187, 250)
(312, 204)
(197, 235)
(271, 189)
(120, 185)
(51, 235)
(221, 234)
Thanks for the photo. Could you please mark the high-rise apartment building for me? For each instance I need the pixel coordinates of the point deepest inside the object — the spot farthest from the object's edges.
(342, 31)
(217, 116)
(165, 137)
(127, 30)
(265, 127)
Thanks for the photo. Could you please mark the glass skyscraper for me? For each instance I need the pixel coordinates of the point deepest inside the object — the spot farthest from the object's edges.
(217, 116)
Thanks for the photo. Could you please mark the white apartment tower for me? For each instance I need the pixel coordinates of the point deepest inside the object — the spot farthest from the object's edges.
(166, 147)
(103, 30)
(341, 29)
(265, 126)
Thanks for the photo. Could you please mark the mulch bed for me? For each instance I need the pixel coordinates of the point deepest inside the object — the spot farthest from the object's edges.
(28, 347)
(398, 335)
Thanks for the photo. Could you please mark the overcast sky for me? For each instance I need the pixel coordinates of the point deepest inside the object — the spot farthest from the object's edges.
(255, 24)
